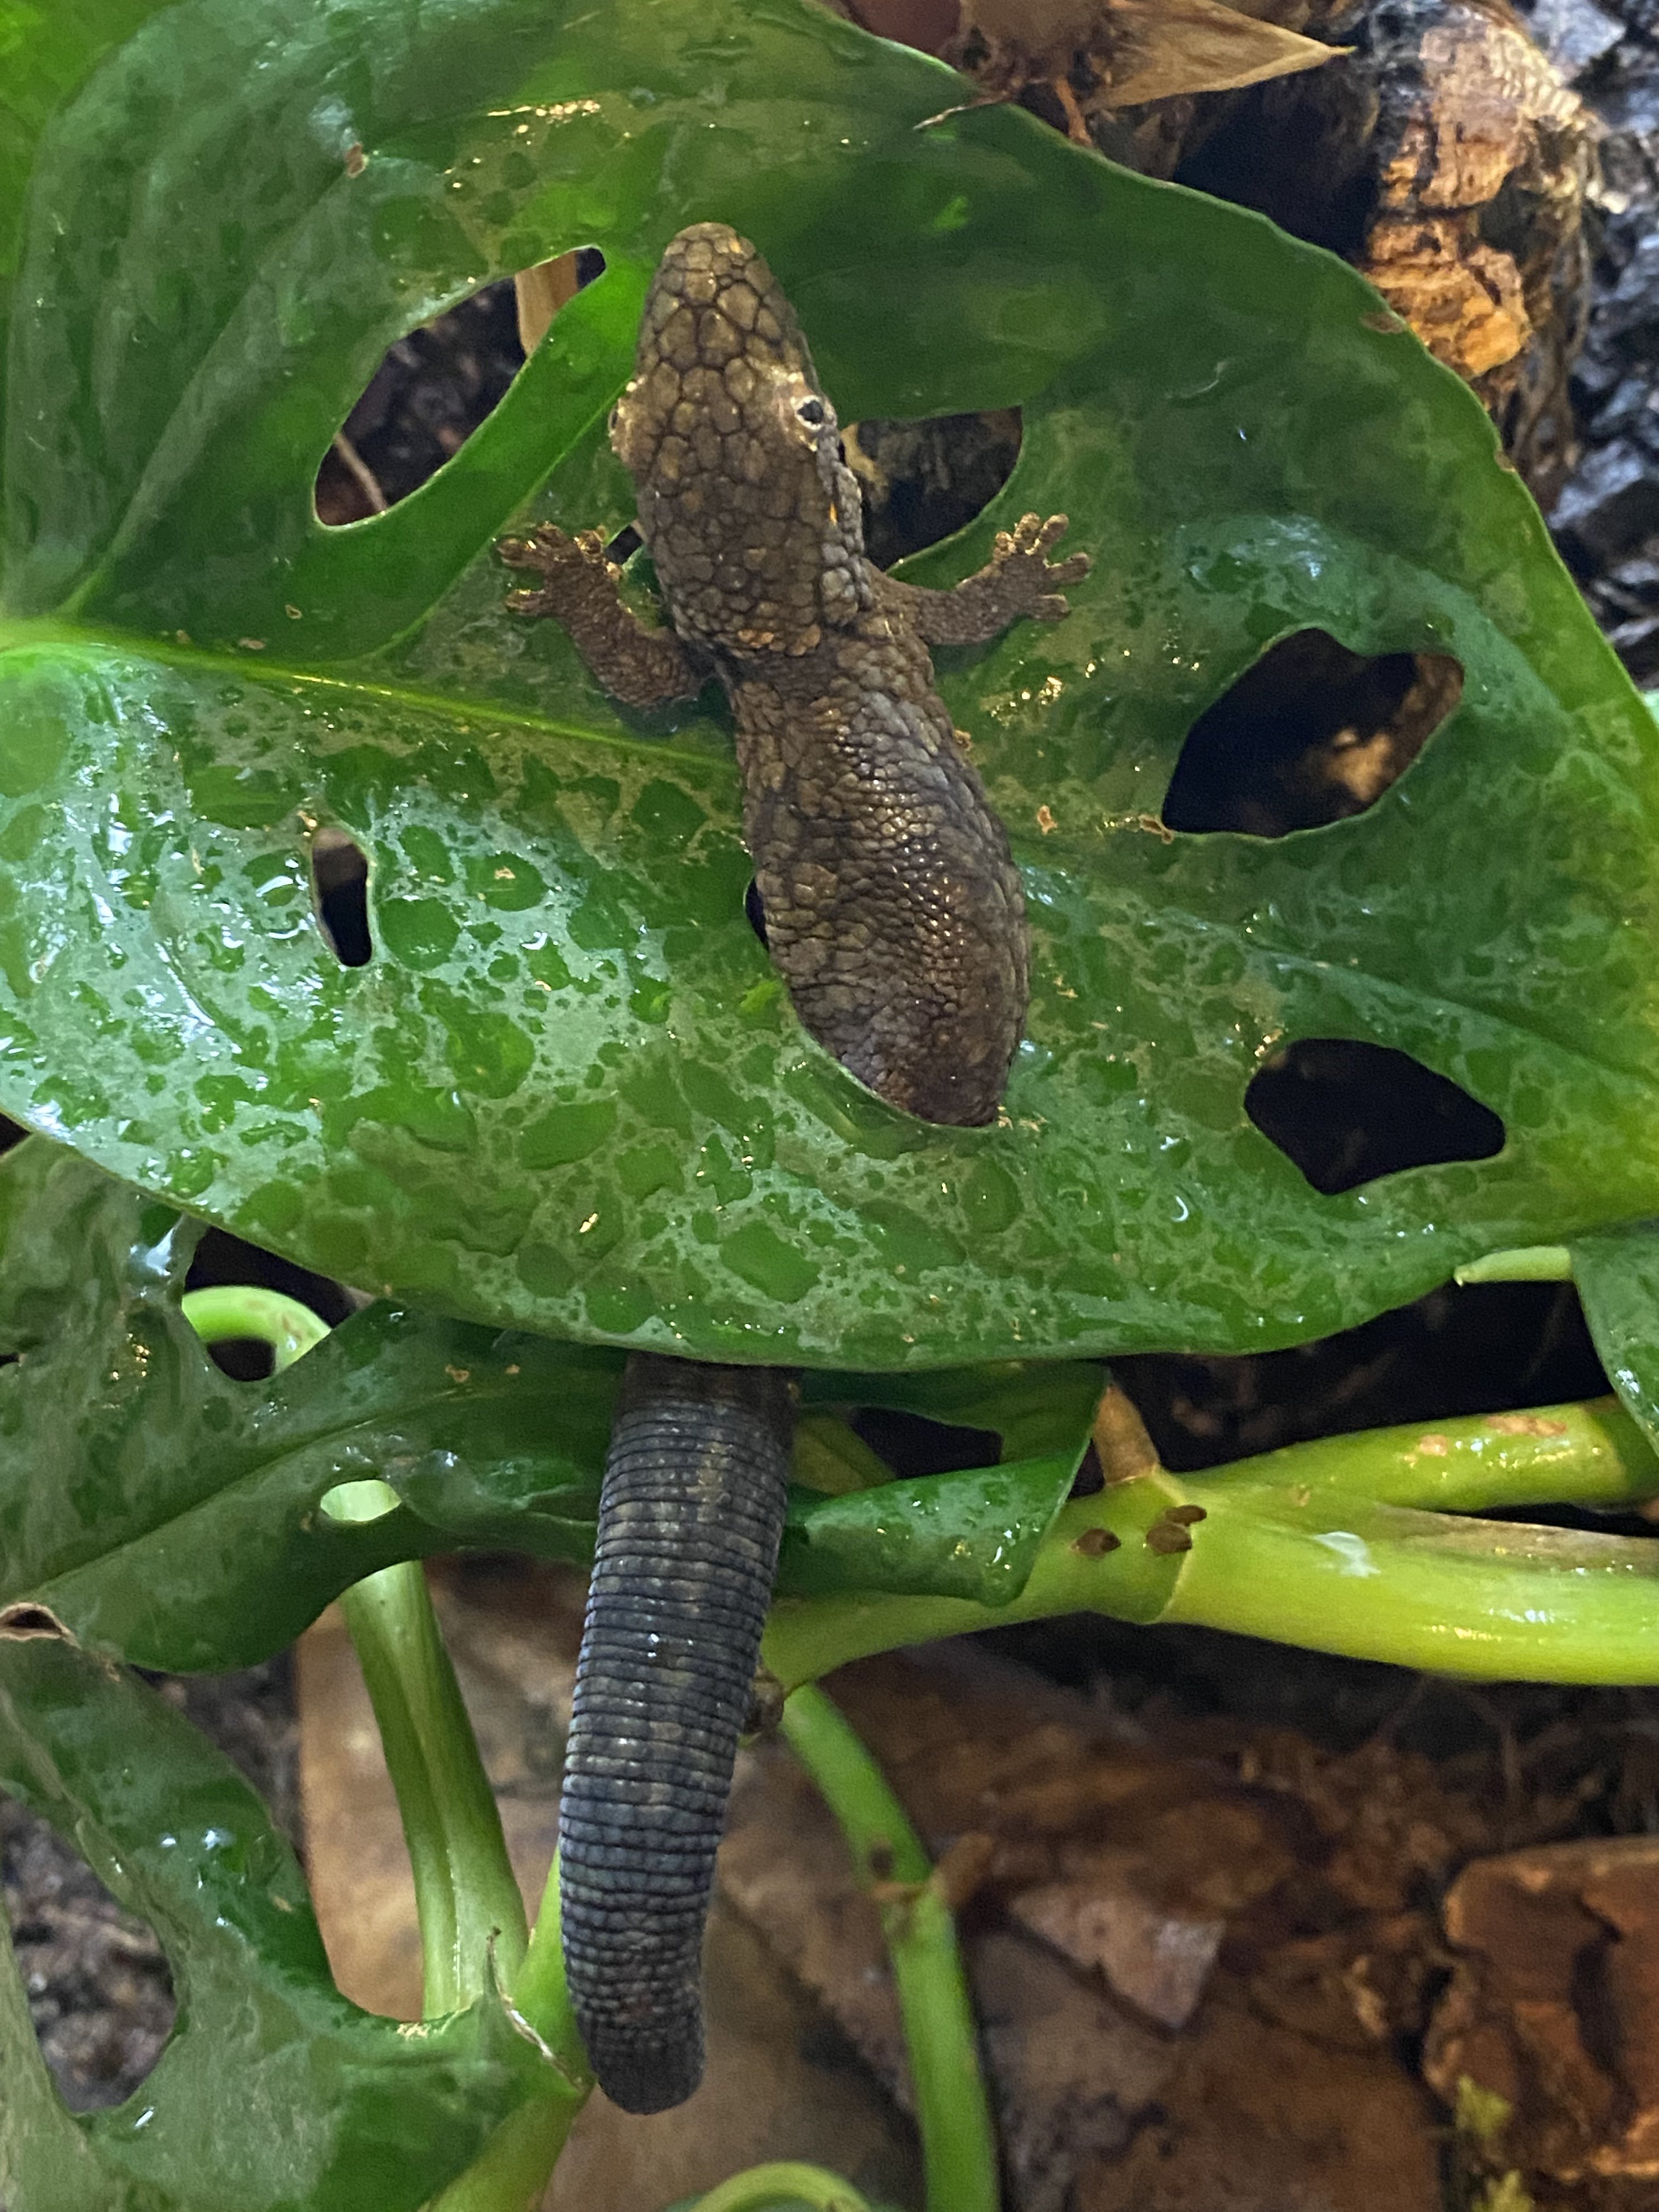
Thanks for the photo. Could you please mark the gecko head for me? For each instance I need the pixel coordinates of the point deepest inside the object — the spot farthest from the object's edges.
(753, 519)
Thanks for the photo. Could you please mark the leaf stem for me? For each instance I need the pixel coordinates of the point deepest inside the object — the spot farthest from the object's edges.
(958, 2141)
(466, 1893)
(233, 1313)
(1527, 1263)
(763, 2187)
(513, 2172)
(517, 2163)
(472, 1916)
(1329, 1544)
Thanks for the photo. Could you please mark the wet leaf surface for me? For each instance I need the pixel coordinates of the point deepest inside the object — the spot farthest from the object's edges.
(169, 1516)
(334, 2108)
(566, 1092)
(1618, 1278)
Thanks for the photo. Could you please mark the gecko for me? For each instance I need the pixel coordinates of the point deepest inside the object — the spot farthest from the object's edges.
(895, 915)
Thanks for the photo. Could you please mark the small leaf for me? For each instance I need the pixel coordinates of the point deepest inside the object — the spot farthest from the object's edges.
(973, 1535)
(274, 2092)
(1616, 1272)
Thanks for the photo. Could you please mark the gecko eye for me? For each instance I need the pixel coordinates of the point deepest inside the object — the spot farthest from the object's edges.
(810, 411)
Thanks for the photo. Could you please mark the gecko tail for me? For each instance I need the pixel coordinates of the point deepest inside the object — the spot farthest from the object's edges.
(690, 1518)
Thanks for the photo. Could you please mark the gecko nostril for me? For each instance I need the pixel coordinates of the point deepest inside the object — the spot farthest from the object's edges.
(1346, 1113)
(1311, 733)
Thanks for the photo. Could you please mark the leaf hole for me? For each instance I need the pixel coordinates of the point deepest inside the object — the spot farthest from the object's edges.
(911, 1444)
(99, 1992)
(220, 1258)
(435, 385)
(754, 907)
(23, 1622)
(353, 1502)
(924, 481)
(1346, 1113)
(339, 884)
(1091, 1477)
(1312, 733)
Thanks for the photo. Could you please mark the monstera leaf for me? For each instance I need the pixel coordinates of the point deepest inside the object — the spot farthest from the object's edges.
(334, 2109)
(1618, 1276)
(154, 1511)
(566, 1092)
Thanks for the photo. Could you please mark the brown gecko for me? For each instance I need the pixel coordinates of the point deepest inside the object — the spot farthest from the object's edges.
(894, 913)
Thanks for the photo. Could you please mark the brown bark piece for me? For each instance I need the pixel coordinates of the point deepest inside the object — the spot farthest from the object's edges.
(1157, 1960)
(1459, 140)
(1554, 2006)
(1448, 161)
(1491, 116)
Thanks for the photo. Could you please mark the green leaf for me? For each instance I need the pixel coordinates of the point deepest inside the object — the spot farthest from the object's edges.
(47, 54)
(1618, 1276)
(973, 1535)
(566, 1093)
(165, 1515)
(274, 2092)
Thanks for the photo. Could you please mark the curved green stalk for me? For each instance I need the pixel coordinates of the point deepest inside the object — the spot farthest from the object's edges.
(515, 2168)
(465, 1894)
(762, 2187)
(957, 2142)
(1527, 1263)
(466, 1897)
(472, 1916)
(1329, 1545)
(518, 2162)
(1591, 1454)
(235, 1313)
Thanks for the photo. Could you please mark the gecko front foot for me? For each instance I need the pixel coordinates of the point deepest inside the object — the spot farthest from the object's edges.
(1026, 577)
(568, 566)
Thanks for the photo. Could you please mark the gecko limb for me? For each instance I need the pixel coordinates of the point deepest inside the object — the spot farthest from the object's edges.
(639, 665)
(1018, 581)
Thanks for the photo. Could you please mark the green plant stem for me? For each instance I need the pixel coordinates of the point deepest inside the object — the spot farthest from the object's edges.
(1527, 1263)
(517, 2164)
(1589, 1454)
(957, 2142)
(466, 1896)
(783, 2183)
(472, 1916)
(234, 1313)
(466, 1893)
(514, 2170)
(1329, 1545)
(541, 1995)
